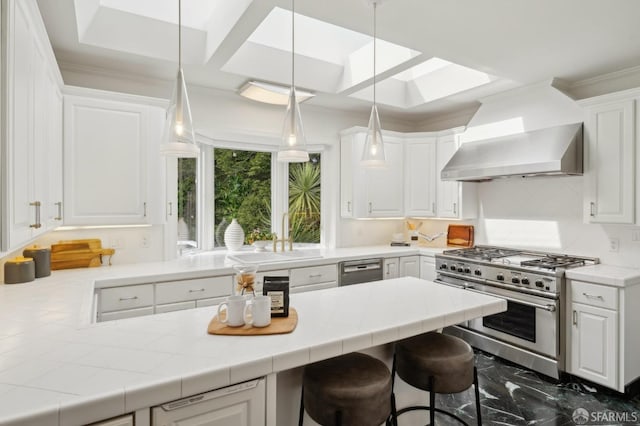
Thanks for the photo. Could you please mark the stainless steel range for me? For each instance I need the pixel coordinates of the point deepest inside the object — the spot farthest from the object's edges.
(531, 331)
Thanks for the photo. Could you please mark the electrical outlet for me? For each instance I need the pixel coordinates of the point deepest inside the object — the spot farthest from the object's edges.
(116, 243)
(145, 242)
(614, 244)
(635, 236)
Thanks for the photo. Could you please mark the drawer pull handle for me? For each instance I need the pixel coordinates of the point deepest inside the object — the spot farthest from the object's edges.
(315, 275)
(122, 299)
(593, 296)
(196, 291)
(38, 224)
(59, 216)
(575, 317)
(592, 209)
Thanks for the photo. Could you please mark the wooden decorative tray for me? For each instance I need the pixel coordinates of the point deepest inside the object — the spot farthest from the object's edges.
(279, 325)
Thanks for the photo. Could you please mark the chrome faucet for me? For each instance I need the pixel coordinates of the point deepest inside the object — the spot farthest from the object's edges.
(284, 231)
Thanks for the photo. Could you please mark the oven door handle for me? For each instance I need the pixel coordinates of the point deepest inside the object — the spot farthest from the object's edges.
(550, 308)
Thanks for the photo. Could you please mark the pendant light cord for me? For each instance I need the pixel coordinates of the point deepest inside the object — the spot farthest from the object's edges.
(179, 34)
(293, 40)
(374, 53)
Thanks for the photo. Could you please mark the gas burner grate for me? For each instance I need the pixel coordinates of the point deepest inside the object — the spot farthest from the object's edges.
(553, 262)
(482, 253)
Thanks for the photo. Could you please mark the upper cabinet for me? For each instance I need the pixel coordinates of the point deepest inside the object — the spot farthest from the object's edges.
(420, 176)
(370, 192)
(112, 160)
(610, 159)
(32, 136)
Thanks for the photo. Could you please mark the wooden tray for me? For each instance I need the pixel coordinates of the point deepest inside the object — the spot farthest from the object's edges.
(279, 325)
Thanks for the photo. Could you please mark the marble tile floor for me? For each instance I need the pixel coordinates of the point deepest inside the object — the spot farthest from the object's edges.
(511, 395)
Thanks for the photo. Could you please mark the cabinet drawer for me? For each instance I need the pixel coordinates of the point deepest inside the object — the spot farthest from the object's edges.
(313, 287)
(210, 302)
(313, 275)
(200, 288)
(594, 294)
(129, 297)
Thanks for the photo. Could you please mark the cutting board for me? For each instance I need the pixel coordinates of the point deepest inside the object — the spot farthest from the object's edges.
(71, 254)
(279, 325)
(460, 235)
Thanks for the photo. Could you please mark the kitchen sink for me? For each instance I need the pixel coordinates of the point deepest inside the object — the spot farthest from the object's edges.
(271, 257)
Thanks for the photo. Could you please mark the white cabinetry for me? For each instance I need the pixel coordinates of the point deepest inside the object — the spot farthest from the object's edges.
(391, 268)
(31, 112)
(243, 404)
(428, 268)
(370, 192)
(594, 333)
(455, 200)
(112, 162)
(410, 266)
(420, 177)
(313, 278)
(610, 161)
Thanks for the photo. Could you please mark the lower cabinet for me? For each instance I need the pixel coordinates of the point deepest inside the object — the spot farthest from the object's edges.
(313, 278)
(243, 404)
(428, 268)
(391, 268)
(593, 333)
(410, 266)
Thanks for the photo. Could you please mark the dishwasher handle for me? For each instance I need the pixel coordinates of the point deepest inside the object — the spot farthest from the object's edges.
(359, 266)
(240, 387)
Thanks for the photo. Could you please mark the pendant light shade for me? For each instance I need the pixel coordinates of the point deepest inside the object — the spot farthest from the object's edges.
(179, 139)
(373, 153)
(293, 145)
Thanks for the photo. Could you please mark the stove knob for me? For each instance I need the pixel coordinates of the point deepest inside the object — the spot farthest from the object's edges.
(478, 272)
(539, 283)
(453, 267)
(525, 281)
(460, 269)
(515, 280)
(467, 270)
(500, 277)
(443, 266)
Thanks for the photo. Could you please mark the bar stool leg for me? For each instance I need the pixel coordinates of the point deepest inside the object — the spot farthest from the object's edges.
(338, 418)
(477, 386)
(301, 415)
(432, 402)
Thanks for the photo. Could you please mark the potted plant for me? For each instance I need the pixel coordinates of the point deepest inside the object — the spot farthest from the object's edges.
(259, 238)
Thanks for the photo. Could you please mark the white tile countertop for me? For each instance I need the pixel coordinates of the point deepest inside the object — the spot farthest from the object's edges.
(58, 368)
(615, 276)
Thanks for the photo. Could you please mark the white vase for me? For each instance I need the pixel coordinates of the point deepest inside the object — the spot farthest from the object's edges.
(233, 236)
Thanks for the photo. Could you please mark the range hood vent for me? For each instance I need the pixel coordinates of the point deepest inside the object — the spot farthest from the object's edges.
(545, 152)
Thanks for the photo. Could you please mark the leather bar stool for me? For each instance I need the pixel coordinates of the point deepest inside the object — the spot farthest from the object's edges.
(352, 389)
(437, 363)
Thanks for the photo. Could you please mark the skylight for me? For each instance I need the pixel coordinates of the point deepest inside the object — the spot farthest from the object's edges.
(195, 13)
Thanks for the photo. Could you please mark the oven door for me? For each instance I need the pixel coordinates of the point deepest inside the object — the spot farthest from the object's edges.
(530, 322)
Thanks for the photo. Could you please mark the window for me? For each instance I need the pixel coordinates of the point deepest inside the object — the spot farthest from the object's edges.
(251, 187)
(187, 202)
(242, 182)
(304, 200)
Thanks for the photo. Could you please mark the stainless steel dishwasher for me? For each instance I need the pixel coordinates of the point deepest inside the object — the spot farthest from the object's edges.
(360, 271)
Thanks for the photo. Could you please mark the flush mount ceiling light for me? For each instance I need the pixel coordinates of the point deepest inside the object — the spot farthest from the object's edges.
(179, 138)
(293, 146)
(373, 153)
(270, 93)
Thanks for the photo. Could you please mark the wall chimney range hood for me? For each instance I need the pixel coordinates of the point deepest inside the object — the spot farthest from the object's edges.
(552, 151)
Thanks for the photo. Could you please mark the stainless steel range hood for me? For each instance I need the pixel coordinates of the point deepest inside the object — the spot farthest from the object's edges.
(549, 151)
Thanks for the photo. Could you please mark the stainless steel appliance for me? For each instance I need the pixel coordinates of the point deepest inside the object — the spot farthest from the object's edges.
(531, 331)
(360, 271)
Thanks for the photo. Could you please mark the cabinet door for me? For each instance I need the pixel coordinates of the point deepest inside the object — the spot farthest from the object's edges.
(610, 163)
(594, 344)
(448, 192)
(21, 214)
(384, 184)
(427, 268)
(54, 207)
(391, 268)
(410, 266)
(119, 421)
(105, 156)
(40, 148)
(420, 177)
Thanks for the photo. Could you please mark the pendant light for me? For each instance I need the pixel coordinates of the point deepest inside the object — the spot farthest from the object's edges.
(373, 154)
(179, 138)
(293, 146)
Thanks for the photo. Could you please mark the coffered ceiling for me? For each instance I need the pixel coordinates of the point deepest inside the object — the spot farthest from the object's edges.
(434, 56)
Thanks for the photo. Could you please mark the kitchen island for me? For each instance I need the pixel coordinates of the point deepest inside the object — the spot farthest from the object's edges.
(70, 372)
